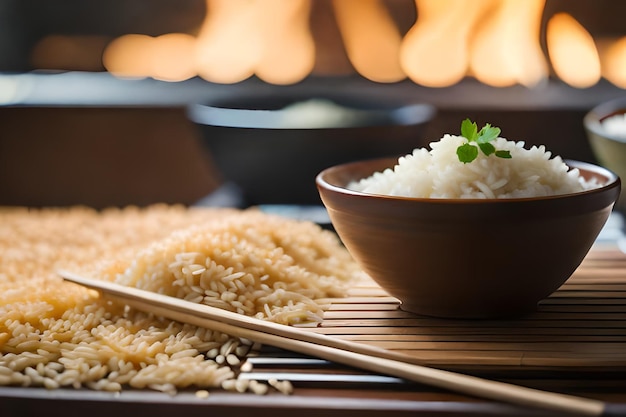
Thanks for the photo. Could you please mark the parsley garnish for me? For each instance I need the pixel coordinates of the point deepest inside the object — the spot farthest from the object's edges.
(468, 152)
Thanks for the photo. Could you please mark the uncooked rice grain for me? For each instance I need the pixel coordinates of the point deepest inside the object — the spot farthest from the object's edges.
(55, 334)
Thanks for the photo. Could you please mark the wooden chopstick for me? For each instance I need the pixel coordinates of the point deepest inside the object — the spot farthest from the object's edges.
(341, 351)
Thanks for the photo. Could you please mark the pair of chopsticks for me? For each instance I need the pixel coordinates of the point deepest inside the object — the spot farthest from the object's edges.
(345, 352)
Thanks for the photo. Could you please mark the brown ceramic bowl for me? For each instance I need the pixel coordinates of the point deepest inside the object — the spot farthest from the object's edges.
(466, 258)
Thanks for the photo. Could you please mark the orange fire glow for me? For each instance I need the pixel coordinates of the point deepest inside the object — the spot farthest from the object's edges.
(240, 38)
(288, 47)
(167, 57)
(371, 38)
(572, 51)
(227, 46)
(613, 62)
(129, 56)
(268, 38)
(495, 41)
(435, 52)
(494, 61)
(172, 58)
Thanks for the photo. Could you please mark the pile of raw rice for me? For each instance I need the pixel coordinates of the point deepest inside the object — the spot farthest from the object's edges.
(56, 334)
(438, 173)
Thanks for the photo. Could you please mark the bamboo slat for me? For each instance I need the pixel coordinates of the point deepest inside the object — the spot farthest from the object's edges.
(581, 327)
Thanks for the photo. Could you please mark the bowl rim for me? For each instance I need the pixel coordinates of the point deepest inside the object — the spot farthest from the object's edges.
(613, 180)
(594, 117)
(383, 112)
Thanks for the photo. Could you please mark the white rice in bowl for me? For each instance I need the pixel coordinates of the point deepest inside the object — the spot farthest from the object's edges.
(615, 125)
(438, 173)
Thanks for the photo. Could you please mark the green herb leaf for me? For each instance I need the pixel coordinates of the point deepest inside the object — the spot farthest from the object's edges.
(488, 133)
(469, 130)
(487, 148)
(467, 153)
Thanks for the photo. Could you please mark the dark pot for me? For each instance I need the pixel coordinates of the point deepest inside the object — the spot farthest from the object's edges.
(273, 146)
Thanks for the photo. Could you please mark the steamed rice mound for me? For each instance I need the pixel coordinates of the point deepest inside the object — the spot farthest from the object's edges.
(438, 173)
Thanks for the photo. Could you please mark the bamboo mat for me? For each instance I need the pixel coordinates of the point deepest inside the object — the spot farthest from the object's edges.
(581, 327)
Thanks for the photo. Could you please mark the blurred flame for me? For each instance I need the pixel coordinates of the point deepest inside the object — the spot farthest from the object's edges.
(495, 61)
(128, 56)
(572, 51)
(435, 51)
(495, 41)
(288, 47)
(167, 57)
(228, 46)
(269, 38)
(614, 63)
(371, 38)
(172, 57)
